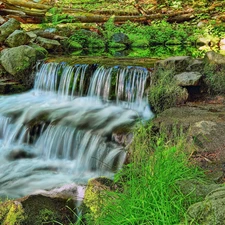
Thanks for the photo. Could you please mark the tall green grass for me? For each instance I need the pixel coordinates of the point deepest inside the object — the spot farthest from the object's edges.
(148, 192)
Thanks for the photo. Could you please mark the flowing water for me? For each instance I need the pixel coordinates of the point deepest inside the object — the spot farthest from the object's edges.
(62, 130)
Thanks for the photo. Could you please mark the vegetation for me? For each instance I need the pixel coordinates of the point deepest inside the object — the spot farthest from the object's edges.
(148, 192)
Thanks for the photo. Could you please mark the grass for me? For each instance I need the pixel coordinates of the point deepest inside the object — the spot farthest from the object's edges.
(163, 92)
(150, 194)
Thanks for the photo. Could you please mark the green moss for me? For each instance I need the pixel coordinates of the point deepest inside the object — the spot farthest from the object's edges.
(11, 213)
(164, 93)
(44, 210)
(94, 198)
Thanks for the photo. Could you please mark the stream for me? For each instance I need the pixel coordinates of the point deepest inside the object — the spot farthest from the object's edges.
(64, 130)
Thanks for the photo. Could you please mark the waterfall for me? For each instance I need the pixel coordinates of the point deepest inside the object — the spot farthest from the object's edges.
(62, 130)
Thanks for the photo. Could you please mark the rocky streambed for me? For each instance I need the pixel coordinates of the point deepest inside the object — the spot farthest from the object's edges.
(197, 105)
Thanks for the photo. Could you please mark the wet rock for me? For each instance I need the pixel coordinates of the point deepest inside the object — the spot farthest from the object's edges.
(120, 38)
(18, 62)
(17, 38)
(7, 28)
(20, 154)
(48, 43)
(188, 79)
(211, 211)
(177, 64)
(11, 212)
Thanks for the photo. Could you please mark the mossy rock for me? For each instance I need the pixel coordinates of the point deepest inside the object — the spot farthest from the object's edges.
(37, 210)
(211, 211)
(11, 213)
(94, 197)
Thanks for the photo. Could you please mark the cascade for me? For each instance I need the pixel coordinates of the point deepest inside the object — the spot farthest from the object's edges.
(62, 130)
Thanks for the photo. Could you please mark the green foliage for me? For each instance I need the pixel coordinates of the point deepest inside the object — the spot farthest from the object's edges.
(149, 192)
(87, 39)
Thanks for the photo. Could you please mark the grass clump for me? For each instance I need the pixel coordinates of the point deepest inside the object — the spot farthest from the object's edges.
(148, 192)
(164, 93)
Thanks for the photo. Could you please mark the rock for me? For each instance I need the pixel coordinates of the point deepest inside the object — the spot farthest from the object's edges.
(42, 53)
(20, 154)
(68, 191)
(214, 58)
(2, 20)
(38, 209)
(7, 28)
(94, 196)
(222, 41)
(18, 62)
(178, 64)
(188, 79)
(48, 43)
(11, 213)
(17, 38)
(120, 38)
(198, 190)
(204, 41)
(211, 211)
(32, 36)
(196, 66)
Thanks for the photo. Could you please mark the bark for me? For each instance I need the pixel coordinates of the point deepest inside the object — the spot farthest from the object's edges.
(26, 4)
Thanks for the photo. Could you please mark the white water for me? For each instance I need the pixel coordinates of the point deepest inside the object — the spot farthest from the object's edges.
(57, 134)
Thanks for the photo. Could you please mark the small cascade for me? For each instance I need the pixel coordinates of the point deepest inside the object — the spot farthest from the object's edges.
(62, 130)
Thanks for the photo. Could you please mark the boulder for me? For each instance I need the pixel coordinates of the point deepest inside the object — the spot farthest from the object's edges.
(211, 211)
(196, 66)
(18, 62)
(203, 126)
(188, 79)
(48, 43)
(95, 196)
(36, 210)
(214, 58)
(7, 28)
(178, 64)
(17, 38)
(120, 38)
(32, 36)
